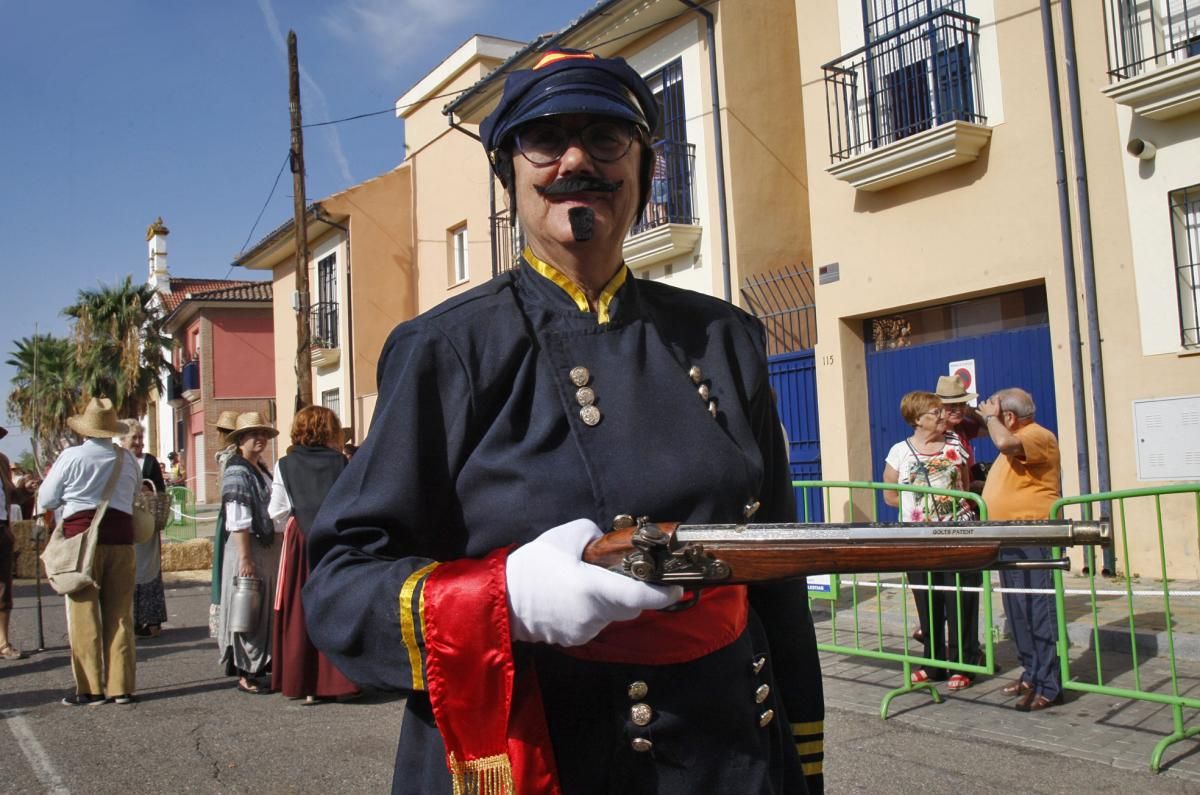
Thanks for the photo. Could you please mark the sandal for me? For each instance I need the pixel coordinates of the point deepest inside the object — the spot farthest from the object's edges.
(920, 675)
(11, 652)
(958, 682)
(252, 688)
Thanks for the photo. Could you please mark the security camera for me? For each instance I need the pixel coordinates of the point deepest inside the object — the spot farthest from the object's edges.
(1141, 149)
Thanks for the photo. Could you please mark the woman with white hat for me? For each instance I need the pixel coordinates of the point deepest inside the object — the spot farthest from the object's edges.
(251, 550)
(100, 617)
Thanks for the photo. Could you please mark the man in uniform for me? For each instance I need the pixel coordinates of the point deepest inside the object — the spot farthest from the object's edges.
(1024, 484)
(516, 421)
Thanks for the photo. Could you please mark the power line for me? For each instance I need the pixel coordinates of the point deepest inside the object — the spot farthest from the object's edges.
(394, 108)
(270, 195)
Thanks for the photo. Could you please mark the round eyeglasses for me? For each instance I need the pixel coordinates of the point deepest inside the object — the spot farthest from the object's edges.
(544, 142)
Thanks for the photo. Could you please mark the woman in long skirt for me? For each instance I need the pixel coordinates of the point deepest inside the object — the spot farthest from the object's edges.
(149, 599)
(302, 479)
(251, 551)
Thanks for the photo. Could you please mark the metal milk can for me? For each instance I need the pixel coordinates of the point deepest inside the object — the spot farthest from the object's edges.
(245, 604)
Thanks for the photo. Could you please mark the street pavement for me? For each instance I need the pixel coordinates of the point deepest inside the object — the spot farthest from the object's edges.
(192, 732)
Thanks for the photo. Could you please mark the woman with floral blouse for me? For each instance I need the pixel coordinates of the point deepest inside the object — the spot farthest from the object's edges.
(934, 456)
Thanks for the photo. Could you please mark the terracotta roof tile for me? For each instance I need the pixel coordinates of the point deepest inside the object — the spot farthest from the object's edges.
(214, 290)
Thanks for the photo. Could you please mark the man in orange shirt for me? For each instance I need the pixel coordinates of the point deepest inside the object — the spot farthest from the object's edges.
(1023, 484)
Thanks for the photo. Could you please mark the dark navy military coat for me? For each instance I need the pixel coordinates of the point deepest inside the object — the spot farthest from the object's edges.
(478, 442)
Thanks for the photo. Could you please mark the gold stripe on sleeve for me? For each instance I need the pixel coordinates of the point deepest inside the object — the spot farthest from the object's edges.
(408, 629)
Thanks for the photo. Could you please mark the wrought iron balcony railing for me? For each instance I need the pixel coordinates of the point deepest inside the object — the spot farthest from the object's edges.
(921, 74)
(507, 242)
(1144, 35)
(324, 324)
(672, 189)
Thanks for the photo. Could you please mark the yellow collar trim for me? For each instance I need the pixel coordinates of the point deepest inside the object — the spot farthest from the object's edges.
(571, 289)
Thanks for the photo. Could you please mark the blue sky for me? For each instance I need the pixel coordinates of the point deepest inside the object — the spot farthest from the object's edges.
(118, 112)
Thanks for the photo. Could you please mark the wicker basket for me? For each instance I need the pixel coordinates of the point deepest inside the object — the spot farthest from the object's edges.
(157, 504)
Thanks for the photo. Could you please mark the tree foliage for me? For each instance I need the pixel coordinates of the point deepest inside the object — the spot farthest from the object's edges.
(119, 345)
(45, 391)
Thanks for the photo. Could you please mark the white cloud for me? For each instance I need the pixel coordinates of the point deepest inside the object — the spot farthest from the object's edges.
(392, 30)
(312, 96)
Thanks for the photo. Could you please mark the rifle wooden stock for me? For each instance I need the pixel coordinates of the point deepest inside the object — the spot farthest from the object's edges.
(710, 554)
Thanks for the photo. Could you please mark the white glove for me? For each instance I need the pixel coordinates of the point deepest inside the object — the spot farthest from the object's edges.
(554, 597)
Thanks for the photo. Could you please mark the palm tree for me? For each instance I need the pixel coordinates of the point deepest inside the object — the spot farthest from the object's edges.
(119, 345)
(45, 391)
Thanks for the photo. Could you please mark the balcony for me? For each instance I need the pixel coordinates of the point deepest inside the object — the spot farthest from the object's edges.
(189, 379)
(175, 398)
(907, 104)
(1151, 56)
(323, 325)
(668, 227)
(507, 242)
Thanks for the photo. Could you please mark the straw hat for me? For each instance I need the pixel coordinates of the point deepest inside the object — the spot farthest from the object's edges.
(227, 421)
(951, 390)
(249, 421)
(98, 420)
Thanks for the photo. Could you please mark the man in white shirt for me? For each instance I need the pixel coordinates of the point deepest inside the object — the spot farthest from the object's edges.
(101, 616)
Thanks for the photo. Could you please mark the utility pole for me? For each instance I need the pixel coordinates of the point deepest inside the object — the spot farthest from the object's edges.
(301, 302)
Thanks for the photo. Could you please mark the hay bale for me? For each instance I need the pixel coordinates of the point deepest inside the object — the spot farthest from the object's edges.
(176, 555)
(187, 555)
(24, 551)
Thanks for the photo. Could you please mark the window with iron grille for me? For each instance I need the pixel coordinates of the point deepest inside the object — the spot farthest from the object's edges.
(1185, 233)
(332, 400)
(325, 312)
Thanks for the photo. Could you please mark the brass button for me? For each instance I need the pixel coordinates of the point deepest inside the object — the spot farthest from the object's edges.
(759, 662)
(580, 376)
(641, 714)
(641, 744)
(590, 415)
(695, 374)
(637, 690)
(766, 718)
(703, 390)
(751, 508)
(712, 407)
(760, 695)
(585, 396)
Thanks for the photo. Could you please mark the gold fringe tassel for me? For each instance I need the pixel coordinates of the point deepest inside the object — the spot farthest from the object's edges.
(491, 775)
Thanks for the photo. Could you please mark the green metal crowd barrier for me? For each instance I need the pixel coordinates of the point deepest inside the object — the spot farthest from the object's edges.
(872, 624)
(181, 526)
(1135, 683)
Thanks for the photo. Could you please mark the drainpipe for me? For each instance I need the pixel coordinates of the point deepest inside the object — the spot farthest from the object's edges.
(320, 216)
(1096, 356)
(491, 181)
(1068, 253)
(710, 37)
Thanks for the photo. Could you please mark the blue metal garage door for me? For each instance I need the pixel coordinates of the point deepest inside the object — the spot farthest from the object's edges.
(1008, 358)
(793, 376)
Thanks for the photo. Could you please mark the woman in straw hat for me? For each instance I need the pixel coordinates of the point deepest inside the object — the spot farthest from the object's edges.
(100, 618)
(226, 422)
(149, 600)
(251, 549)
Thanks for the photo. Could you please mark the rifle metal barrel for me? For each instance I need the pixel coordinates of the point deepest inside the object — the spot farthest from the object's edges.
(1044, 533)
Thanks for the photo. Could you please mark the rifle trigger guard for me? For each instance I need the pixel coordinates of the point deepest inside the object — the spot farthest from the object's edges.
(657, 558)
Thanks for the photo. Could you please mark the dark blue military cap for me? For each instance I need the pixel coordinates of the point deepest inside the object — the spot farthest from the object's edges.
(570, 81)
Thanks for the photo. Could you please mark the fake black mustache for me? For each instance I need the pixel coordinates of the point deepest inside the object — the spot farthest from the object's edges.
(579, 184)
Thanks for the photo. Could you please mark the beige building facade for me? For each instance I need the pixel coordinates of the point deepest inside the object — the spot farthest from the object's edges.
(361, 276)
(937, 196)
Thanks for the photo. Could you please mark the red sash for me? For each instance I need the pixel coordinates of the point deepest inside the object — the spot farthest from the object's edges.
(489, 710)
